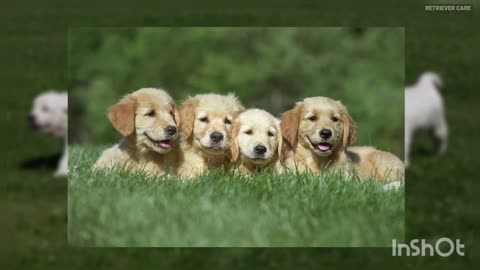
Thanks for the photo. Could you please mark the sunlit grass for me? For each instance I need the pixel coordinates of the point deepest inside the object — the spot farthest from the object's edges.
(225, 209)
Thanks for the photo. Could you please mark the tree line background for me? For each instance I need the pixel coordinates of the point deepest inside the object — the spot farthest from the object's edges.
(269, 68)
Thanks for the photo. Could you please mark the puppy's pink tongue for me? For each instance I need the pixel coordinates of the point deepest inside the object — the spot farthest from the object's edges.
(323, 147)
(165, 145)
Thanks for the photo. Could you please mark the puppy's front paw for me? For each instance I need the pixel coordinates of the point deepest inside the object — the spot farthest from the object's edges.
(393, 186)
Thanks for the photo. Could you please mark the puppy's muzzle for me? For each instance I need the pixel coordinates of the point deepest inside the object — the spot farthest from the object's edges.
(216, 137)
(260, 150)
(325, 146)
(325, 134)
(171, 130)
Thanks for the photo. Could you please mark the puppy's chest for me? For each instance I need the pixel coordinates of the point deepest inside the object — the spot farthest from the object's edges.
(212, 163)
(198, 162)
(248, 168)
(159, 164)
(311, 163)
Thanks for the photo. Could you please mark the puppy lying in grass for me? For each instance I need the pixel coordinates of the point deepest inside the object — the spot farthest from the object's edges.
(217, 132)
(319, 131)
(256, 141)
(381, 165)
(147, 119)
(49, 115)
(206, 126)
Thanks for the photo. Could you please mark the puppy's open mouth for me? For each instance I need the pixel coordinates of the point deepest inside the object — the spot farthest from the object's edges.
(322, 147)
(215, 148)
(211, 148)
(163, 144)
(257, 158)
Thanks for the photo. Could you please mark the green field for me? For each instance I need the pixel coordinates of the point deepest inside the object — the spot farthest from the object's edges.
(224, 209)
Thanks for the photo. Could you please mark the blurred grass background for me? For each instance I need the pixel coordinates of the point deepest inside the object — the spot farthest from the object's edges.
(269, 68)
(439, 192)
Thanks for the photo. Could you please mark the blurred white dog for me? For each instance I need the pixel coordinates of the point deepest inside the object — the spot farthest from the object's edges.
(424, 110)
(49, 115)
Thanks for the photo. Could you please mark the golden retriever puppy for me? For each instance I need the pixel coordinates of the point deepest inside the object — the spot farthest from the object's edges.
(205, 126)
(371, 162)
(256, 141)
(147, 119)
(317, 132)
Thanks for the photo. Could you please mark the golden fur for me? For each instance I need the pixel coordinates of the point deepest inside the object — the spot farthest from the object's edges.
(306, 150)
(253, 131)
(202, 116)
(216, 130)
(147, 119)
(371, 162)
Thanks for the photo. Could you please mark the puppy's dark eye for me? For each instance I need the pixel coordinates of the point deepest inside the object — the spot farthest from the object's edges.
(150, 113)
(172, 114)
(334, 118)
(228, 122)
(270, 134)
(313, 118)
(249, 132)
(203, 119)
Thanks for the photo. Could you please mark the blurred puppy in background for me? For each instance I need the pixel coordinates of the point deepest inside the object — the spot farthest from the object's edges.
(424, 110)
(256, 141)
(49, 115)
(206, 124)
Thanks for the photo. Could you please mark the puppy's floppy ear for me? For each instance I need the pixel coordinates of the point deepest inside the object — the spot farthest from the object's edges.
(234, 148)
(349, 129)
(176, 115)
(122, 115)
(187, 117)
(289, 125)
(280, 140)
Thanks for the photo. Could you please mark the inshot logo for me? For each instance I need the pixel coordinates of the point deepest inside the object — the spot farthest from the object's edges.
(444, 247)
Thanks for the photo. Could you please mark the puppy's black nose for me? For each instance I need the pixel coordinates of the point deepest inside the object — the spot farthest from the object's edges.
(325, 133)
(260, 149)
(171, 130)
(216, 136)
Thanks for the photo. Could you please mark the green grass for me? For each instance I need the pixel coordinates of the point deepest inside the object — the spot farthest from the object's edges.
(224, 209)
